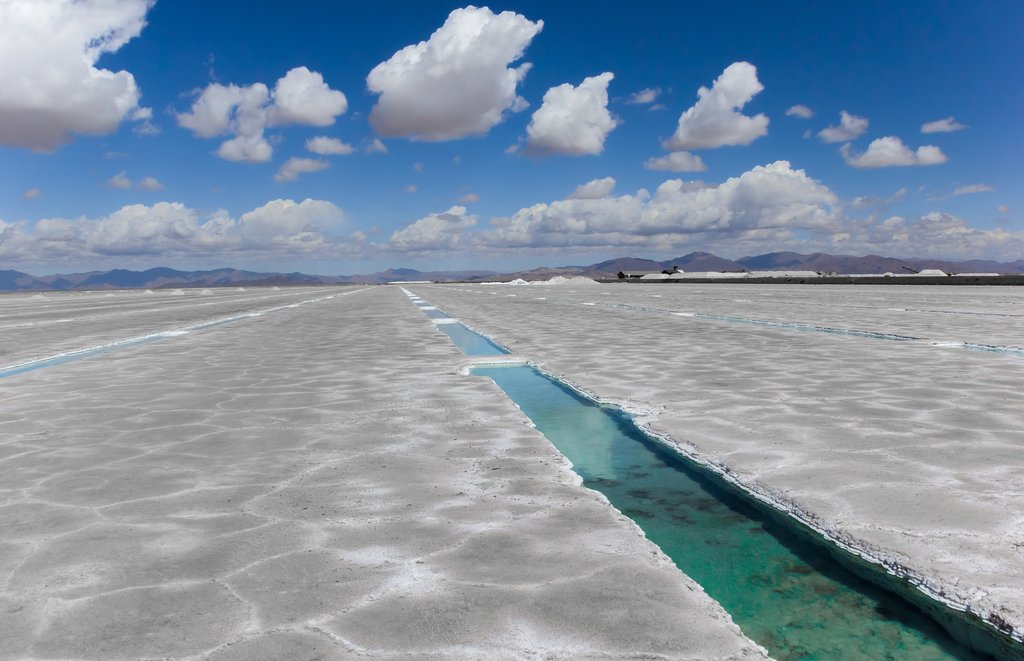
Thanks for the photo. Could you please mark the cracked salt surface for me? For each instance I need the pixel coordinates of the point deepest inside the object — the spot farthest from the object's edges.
(322, 483)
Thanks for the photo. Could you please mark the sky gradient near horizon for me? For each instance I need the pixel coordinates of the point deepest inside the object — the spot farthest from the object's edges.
(336, 138)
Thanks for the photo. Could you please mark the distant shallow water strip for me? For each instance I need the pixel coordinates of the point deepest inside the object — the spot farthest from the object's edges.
(78, 354)
(794, 325)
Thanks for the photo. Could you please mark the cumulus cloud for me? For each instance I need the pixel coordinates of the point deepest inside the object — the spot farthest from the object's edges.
(169, 230)
(850, 128)
(679, 161)
(302, 97)
(572, 120)
(973, 188)
(437, 231)
(772, 198)
(32, 194)
(715, 120)
(890, 151)
(593, 190)
(119, 180)
(328, 146)
(947, 125)
(293, 167)
(299, 97)
(800, 110)
(418, 167)
(1002, 208)
(411, 188)
(50, 87)
(644, 96)
(936, 235)
(458, 82)
(469, 198)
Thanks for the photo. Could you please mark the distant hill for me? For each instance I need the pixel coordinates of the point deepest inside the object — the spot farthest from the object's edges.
(163, 277)
(791, 261)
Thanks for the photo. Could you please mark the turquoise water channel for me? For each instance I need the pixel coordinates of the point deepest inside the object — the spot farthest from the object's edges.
(786, 591)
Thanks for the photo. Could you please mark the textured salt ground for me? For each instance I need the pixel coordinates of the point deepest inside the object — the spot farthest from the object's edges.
(39, 325)
(317, 482)
(907, 450)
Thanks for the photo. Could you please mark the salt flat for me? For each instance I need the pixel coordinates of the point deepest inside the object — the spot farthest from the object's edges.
(320, 481)
(907, 450)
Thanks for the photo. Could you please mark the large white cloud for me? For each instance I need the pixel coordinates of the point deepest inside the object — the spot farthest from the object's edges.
(715, 120)
(935, 235)
(458, 82)
(573, 120)
(50, 87)
(850, 128)
(169, 230)
(302, 97)
(245, 112)
(771, 197)
(890, 151)
(436, 231)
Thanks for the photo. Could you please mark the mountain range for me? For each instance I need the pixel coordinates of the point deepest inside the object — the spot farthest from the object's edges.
(163, 277)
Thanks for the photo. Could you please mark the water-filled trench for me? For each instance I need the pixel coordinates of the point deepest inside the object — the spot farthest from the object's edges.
(787, 588)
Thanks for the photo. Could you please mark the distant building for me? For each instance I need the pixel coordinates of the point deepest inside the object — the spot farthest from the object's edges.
(636, 275)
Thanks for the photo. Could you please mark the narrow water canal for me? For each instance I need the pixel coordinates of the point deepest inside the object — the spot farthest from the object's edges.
(785, 592)
(779, 583)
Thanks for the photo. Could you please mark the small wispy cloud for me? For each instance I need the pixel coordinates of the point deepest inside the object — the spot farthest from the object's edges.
(973, 188)
(947, 125)
(644, 96)
(293, 167)
(801, 111)
(850, 128)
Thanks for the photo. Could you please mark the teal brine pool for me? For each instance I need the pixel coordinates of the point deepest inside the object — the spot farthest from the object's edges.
(783, 588)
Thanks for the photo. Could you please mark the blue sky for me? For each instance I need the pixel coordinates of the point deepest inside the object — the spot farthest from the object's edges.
(117, 162)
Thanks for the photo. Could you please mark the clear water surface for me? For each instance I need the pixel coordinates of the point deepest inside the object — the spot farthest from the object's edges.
(786, 592)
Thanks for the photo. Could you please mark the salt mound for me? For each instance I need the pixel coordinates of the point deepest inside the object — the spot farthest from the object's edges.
(240, 289)
(559, 280)
(37, 297)
(206, 292)
(518, 281)
(275, 289)
(178, 292)
(148, 291)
